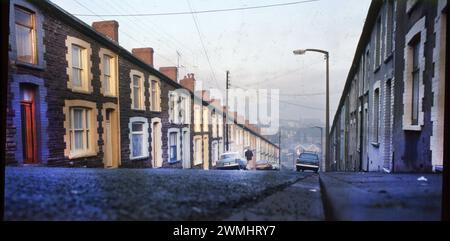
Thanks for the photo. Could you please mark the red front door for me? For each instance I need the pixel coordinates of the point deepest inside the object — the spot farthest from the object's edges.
(29, 126)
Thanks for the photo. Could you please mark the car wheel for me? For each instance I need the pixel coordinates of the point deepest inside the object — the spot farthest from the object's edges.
(298, 169)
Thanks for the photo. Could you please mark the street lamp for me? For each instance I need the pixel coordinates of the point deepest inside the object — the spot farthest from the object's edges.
(327, 107)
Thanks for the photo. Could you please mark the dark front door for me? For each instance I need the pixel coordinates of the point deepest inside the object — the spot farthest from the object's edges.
(29, 126)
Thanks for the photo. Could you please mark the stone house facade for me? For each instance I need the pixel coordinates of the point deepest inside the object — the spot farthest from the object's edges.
(393, 101)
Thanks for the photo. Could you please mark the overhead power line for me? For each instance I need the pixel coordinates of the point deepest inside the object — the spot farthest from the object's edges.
(213, 75)
(125, 33)
(197, 12)
(287, 102)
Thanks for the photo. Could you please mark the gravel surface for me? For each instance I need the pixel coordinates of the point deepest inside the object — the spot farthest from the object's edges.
(301, 201)
(40, 193)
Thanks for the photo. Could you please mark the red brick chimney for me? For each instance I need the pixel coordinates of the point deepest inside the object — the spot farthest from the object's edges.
(188, 82)
(205, 95)
(144, 54)
(216, 104)
(108, 28)
(170, 72)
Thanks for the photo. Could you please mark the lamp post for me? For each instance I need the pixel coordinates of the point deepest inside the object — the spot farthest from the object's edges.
(327, 105)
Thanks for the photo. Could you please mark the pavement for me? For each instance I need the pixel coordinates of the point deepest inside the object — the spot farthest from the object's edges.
(380, 196)
(40, 193)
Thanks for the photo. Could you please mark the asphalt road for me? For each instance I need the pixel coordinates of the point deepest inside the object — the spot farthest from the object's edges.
(39, 193)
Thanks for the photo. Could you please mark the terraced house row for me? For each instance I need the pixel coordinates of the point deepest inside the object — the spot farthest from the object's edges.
(393, 102)
(77, 98)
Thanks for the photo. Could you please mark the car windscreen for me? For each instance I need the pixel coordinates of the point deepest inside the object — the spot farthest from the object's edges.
(309, 157)
(229, 156)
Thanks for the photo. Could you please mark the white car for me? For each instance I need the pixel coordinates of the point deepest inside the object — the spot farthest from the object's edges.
(231, 160)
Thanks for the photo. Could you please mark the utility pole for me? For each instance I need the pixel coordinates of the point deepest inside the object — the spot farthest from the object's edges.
(327, 119)
(178, 63)
(327, 109)
(279, 150)
(227, 145)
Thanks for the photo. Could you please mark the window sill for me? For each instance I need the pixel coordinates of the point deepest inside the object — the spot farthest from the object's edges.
(82, 91)
(412, 128)
(388, 57)
(140, 110)
(110, 95)
(155, 111)
(377, 69)
(80, 155)
(31, 66)
(138, 158)
(375, 144)
(174, 162)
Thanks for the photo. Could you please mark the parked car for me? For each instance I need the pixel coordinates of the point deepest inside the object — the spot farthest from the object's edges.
(263, 165)
(231, 160)
(275, 166)
(308, 161)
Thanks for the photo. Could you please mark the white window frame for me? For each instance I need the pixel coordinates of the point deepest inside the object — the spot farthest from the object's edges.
(214, 125)
(378, 43)
(393, 9)
(198, 150)
(417, 29)
(376, 114)
(145, 143)
(178, 144)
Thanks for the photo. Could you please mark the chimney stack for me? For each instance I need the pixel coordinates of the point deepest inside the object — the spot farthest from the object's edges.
(171, 72)
(188, 82)
(109, 28)
(144, 54)
(205, 95)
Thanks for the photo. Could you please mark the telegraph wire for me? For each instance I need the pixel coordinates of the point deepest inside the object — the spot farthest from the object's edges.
(202, 43)
(125, 33)
(287, 102)
(199, 12)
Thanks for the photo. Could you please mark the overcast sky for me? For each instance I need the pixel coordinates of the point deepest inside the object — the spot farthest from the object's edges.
(255, 45)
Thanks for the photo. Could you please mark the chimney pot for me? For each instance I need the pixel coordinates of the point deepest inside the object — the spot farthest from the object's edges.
(189, 82)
